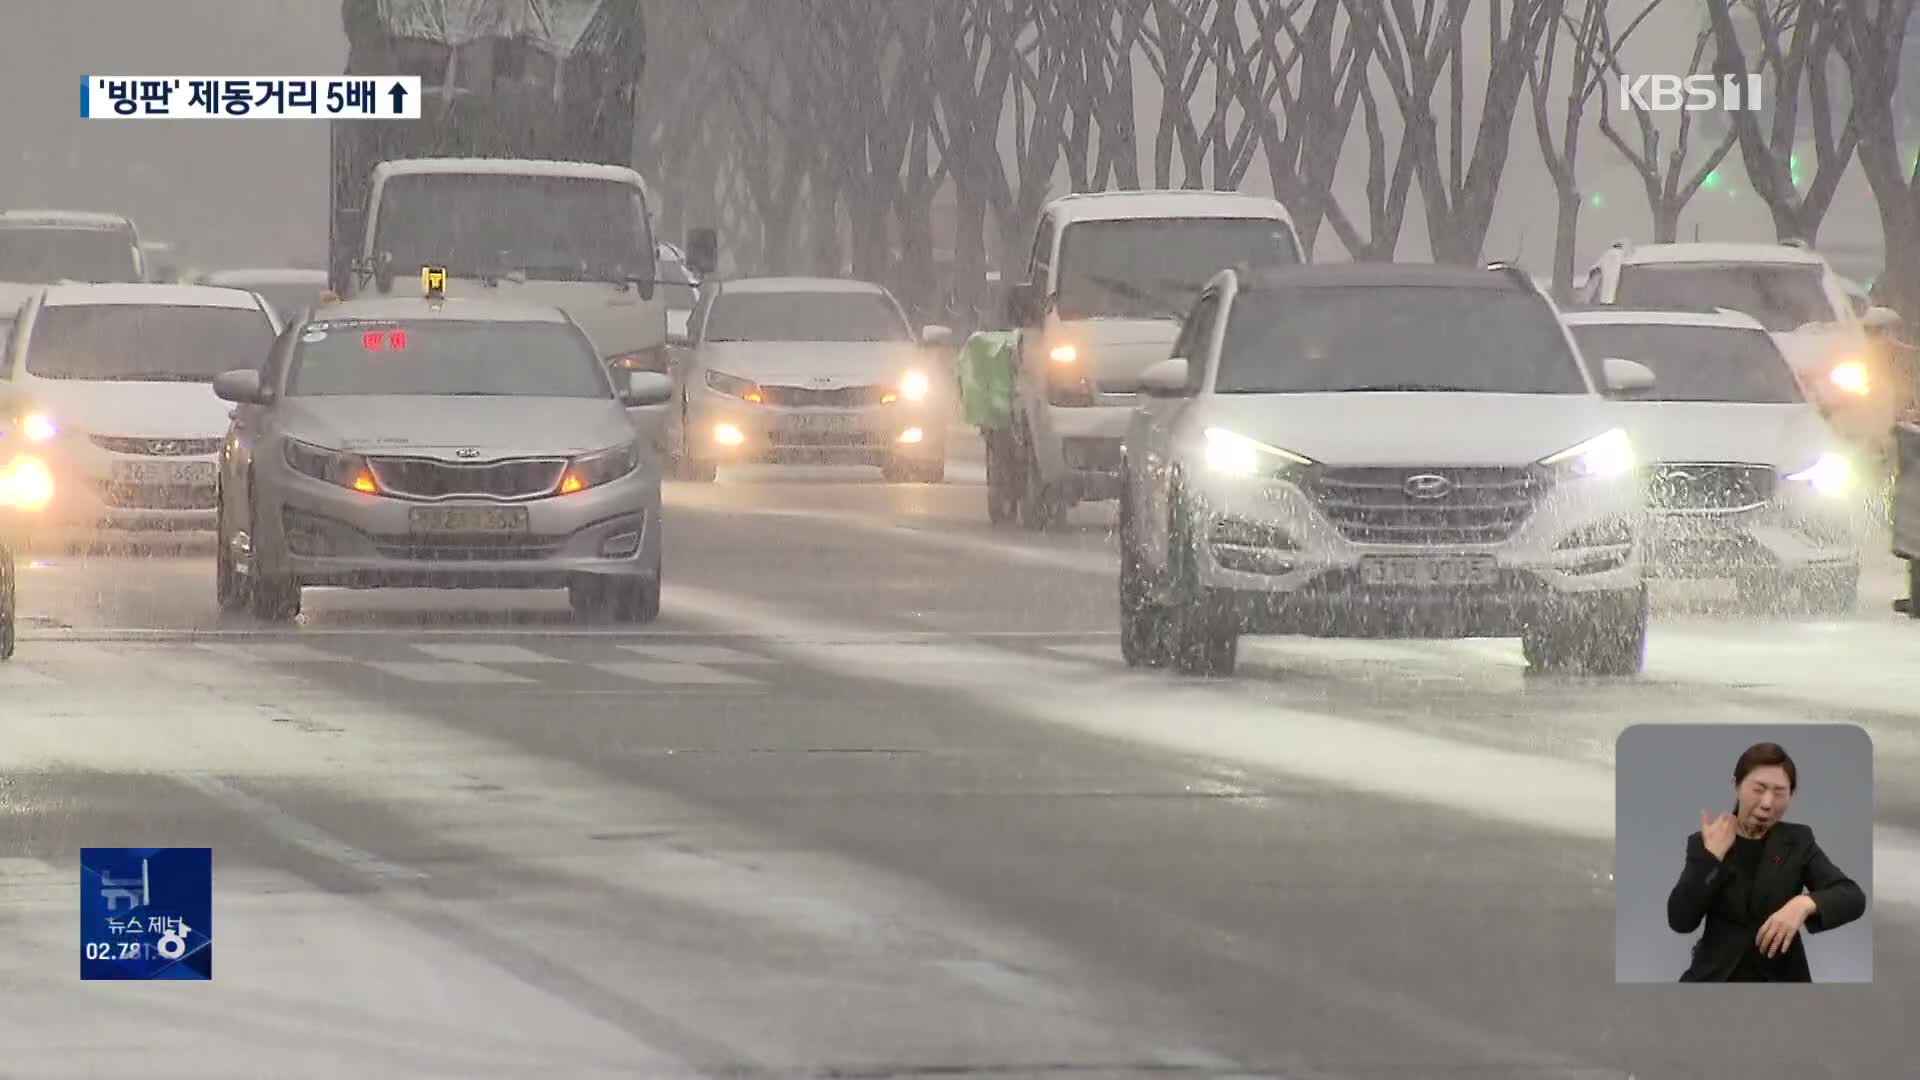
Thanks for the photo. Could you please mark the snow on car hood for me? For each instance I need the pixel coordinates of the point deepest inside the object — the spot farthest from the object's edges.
(1416, 428)
(136, 410)
(821, 365)
(497, 427)
(1784, 436)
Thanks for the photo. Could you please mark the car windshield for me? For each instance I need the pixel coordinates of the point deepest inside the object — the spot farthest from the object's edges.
(1694, 363)
(805, 316)
(675, 286)
(1152, 268)
(1782, 297)
(1386, 338)
(145, 342)
(549, 228)
(453, 358)
(47, 255)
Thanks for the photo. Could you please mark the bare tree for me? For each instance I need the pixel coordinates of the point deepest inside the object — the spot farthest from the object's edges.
(1034, 36)
(1318, 105)
(1871, 38)
(970, 74)
(1796, 39)
(1667, 193)
(1584, 35)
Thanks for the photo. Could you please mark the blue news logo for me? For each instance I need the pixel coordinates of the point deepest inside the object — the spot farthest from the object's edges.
(146, 913)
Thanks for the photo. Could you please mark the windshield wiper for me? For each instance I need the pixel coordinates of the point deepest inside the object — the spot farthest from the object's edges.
(1158, 305)
(158, 376)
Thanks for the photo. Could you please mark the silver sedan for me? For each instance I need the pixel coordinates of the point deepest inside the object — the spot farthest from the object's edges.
(450, 444)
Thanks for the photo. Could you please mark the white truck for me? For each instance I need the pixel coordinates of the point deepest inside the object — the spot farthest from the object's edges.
(1109, 279)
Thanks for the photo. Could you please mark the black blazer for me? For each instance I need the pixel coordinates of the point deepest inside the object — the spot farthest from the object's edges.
(1790, 860)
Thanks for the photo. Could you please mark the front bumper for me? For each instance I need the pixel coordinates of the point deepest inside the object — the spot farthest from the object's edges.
(1082, 456)
(100, 492)
(1313, 557)
(775, 434)
(1774, 540)
(320, 534)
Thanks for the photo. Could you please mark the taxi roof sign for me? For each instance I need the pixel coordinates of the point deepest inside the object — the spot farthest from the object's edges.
(433, 281)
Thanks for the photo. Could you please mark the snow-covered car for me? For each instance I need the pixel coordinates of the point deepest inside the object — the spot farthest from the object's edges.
(1745, 481)
(1793, 292)
(1381, 450)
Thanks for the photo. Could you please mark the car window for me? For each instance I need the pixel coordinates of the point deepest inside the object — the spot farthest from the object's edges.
(1695, 363)
(1385, 338)
(47, 255)
(675, 286)
(1153, 268)
(805, 316)
(145, 342)
(1782, 297)
(445, 358)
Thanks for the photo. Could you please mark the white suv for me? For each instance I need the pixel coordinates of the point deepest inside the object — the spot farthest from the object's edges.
(1109, 278)
(1826, 336)
(1381, 450)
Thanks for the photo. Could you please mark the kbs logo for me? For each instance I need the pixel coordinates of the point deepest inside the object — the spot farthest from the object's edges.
(1690, 93)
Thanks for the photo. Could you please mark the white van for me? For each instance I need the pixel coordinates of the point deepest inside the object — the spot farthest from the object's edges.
(1109, 280)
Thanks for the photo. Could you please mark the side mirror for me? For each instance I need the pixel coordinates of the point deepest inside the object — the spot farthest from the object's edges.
(1023, 305)
(933, 335)
(646, 388)
(242, 387)
(1625, 377)
(1168, 378)
(703, 251)
(383, 271)
(1881, 320)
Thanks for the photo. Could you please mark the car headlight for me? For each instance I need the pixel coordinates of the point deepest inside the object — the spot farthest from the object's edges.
(26, 484)
(1237, 455)
(915, 385)
(334, 466)
(38, 427)
(1830, 475)
(604, 467)
(1606, 455)
(1850, 376)
(734, 386)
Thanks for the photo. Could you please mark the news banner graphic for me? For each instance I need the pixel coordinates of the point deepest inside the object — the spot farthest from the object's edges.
(249, 97)
(146, 913)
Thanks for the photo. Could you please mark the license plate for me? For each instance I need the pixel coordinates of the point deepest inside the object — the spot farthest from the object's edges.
(164, 473)
(1427, 573)
(468, 519)
(824, 423)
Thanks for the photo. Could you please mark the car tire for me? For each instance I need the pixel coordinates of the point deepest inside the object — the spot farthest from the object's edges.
(614, 600)
(1203, 634)
(273, 599)
(229, 585)
(1041, 506)
(698, 472)
(1913, 588)
(1003, 477)
(1605, 635)
(1143, 623)
(9, 604)
(1833, 595)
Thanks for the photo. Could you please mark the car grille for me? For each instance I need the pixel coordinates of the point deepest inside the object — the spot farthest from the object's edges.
(1373, 506)
(844, 397)
(158, 447)
(828, 438)
(478, 549)
(424, 478)
(158, 497)
(1709, 486)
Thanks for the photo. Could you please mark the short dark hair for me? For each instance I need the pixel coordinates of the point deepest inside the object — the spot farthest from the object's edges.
(1763, 754)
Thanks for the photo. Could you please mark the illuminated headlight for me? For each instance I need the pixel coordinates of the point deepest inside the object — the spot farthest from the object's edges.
(1237, 455)
(38, 427)
(1851, 377)
(334, 466)
(1063, 354)
(734, 386)
(914, 386)
(1830, 475)
(26, 484)
(604, 467)
(1606, 456)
